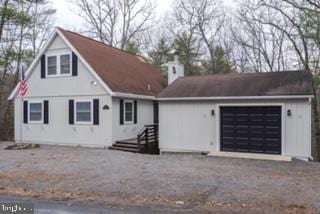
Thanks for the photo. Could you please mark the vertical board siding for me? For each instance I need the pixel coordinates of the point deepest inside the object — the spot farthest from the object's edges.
(130, 131)
(59, 131)
(186, 126)
(189, 126)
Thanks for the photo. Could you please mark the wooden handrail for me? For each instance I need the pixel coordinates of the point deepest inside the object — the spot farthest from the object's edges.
(149, 134)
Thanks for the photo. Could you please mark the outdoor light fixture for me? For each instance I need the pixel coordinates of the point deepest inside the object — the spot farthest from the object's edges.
(212, 112)
(93, 83)
(289, 112)
(105, 107)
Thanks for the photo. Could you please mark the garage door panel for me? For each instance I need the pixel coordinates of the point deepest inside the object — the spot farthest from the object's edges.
(251, 129)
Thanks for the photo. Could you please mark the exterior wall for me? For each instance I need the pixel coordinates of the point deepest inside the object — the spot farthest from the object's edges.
(58, 90)
(130, 131)
(189, 125)
(59, 131)
(63, 86)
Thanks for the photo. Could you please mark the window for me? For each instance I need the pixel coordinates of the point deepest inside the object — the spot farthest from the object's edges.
(65, 64)
(83, 111)
(35, 112)
(59, 65)
(128, 111)
(52, 65)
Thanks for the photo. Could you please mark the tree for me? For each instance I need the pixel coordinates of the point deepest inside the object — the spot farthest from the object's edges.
(16, 21)
(116, 23)
(132, 47)
(261, 47)
(221, 62)
(188, 50)
(160, 54)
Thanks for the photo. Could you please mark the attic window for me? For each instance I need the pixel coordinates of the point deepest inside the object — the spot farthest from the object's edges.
(59, 64)
(52, 65)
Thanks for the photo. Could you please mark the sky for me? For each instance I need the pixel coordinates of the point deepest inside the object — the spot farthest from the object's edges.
(69, 20)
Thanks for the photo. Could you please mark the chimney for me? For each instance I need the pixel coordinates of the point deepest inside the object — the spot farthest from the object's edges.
(175, 69)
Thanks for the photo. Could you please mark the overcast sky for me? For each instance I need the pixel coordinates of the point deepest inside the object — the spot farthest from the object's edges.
(69, 20)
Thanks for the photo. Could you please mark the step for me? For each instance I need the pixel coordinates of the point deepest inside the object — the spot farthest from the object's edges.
(123, 149)
(126, 142)
(125, 145)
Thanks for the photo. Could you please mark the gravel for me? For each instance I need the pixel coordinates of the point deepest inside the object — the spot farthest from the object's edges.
(190, 181)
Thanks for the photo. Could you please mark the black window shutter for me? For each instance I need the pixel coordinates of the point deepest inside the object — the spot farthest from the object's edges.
(71, 111)
(74, 64)
(135, 112)
(121, 112)
(43, 66)
(96, 111)
(46, 112)
(25, 111)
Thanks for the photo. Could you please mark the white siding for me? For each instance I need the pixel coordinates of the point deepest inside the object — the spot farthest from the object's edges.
(189, 126)
(63, 86)
(58, 90)
(130, 131)
(59, 131)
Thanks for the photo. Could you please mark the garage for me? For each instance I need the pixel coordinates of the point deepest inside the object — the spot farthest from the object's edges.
(257, 115)
(251, 129)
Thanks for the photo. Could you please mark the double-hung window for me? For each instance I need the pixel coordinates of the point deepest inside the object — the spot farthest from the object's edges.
(65, 65)
(128, 112)
(59, 65)
(35, 112)
(52, 65)
(83, 112)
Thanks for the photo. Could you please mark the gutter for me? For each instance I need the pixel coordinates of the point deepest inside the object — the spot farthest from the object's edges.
(235, 98)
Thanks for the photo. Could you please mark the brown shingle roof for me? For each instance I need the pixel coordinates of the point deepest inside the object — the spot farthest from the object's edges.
(248, 84)
(121, 71)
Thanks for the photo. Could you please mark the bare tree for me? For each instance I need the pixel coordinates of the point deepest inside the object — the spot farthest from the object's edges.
(116, 22)
(260, 47)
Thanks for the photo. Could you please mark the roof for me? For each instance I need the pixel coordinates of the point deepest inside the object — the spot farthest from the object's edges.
(243, 85)
(122, 71)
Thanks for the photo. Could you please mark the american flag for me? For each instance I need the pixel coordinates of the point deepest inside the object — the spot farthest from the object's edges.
(23, 83)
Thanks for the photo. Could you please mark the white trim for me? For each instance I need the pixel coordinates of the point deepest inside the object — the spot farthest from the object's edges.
(237, 98)
(58, 64)
(46, 46)
(218, 128)
(255, 156)
(104, 85)
(133, 96)
(29, 112)
(33, 64)
(91, 112)
(124, 112)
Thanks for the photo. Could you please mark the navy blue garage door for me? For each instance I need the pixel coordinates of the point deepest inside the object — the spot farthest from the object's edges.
(251, 129)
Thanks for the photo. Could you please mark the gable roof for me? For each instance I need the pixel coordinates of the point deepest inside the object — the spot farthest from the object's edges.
(285, 83)
(123, 72)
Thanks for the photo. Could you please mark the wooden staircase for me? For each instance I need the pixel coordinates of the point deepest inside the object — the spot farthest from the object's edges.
(147, 142)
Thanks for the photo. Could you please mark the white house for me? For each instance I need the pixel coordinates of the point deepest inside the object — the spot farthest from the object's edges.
(83, 92)
(264, 113)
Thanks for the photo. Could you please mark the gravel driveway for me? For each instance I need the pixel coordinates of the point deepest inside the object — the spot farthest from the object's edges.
(187, 182)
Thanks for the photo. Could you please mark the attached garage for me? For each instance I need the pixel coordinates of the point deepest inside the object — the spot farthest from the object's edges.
(265, 113)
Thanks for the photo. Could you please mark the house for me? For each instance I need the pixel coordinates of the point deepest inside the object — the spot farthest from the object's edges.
(83, 92)
(264, 113)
